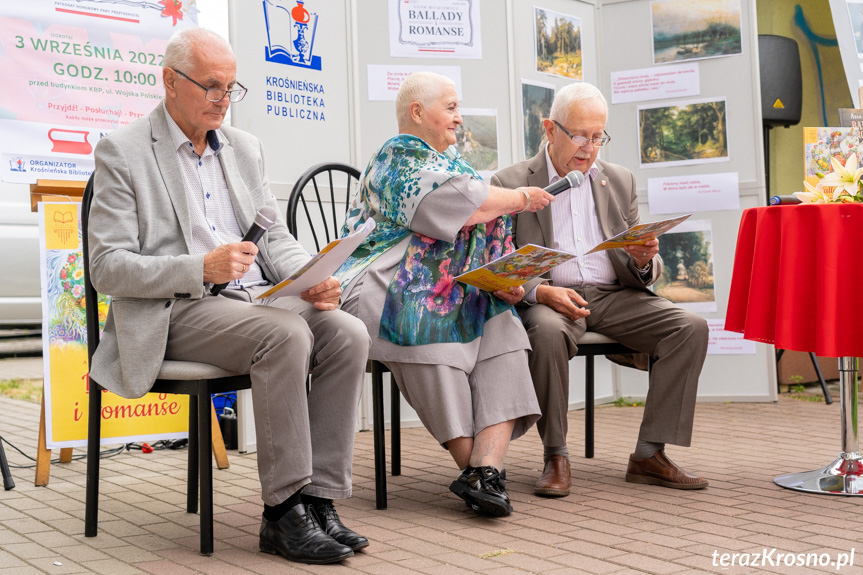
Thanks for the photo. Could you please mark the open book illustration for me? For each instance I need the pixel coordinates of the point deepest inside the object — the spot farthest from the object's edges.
(639, 234)
(322, 265)
(515, 268)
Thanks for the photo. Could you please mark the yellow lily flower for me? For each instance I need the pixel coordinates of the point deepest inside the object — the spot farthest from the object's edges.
(813, 194)
(844, 179)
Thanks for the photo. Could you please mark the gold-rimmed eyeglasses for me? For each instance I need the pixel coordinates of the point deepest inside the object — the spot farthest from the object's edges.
(217, 94)
(580, 141)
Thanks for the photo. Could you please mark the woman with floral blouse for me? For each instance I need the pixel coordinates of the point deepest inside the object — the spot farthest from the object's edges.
(457, 353)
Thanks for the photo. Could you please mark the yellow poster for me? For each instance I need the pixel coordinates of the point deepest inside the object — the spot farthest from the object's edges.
(64, 333)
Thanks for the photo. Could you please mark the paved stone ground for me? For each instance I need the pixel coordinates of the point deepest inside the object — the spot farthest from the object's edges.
(605, 526)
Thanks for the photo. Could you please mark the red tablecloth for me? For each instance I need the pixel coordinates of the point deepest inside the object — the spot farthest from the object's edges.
(798, 278)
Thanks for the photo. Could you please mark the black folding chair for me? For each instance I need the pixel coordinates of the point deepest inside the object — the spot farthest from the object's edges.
(200, 380)
(335, 184)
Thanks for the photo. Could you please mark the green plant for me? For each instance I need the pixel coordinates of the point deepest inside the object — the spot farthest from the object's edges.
(23, 389)
(807, 397)
(628, 402)
(798, 388)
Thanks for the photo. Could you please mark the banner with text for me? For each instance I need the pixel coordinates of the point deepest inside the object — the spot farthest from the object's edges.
(72, 71)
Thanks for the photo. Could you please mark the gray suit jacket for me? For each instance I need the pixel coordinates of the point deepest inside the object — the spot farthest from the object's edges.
(616, 208)
(140, 236)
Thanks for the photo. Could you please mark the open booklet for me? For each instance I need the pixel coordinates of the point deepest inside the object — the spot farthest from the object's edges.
(639, 234)
(322, 265)
(515, 268)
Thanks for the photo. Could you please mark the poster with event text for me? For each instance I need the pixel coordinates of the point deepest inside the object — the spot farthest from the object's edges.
(72, 71)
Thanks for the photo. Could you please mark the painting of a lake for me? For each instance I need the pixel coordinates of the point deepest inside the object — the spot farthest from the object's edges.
(694, 29)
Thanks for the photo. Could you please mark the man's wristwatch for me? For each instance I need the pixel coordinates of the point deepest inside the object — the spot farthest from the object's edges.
(646, 267)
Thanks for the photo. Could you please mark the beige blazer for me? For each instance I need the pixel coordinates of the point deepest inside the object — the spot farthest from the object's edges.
(140, 237)
(616, 207)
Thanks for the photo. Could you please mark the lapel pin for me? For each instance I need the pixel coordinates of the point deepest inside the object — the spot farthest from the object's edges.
(602, 182)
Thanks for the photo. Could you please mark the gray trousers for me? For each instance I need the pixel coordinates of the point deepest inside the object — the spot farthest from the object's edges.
(304, 442)
(451, 403)
(674, 337)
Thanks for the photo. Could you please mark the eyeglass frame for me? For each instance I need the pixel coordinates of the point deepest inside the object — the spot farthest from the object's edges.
(227, 93)
(604, 140)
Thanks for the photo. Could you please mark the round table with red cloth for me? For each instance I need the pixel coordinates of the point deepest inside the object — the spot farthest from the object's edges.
(798, 278)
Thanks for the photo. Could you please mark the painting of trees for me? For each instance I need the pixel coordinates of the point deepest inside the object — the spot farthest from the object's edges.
(536, 102)
(558, 44)
(687, 273)
(687, 133)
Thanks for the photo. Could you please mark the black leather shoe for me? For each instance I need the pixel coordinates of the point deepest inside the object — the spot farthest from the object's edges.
(298, 537)
(484, 490)
(328, 519)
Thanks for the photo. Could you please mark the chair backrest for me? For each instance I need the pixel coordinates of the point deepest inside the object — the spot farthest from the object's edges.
(316, 185)
(91, 298)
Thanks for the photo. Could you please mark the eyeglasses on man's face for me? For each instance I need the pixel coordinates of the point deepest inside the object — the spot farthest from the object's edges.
(580, 141)
(217, 94)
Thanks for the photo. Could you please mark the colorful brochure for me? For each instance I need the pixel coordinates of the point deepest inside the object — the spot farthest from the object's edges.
(322, 265)
(637, 235)
(515, 268)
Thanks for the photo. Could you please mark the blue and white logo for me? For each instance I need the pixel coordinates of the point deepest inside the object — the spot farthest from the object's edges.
(291, 34)
(17, 165)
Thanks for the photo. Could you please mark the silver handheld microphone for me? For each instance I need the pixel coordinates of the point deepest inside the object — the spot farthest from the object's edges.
(571, 180)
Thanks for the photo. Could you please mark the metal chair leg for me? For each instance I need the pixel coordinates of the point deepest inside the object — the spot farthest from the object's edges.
(379, 436)
(588, 406)
(395, 427)
(192, 464)
(205, 467)
(94, 433)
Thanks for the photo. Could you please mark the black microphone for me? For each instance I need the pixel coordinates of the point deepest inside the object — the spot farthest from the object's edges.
(571, 180)
(265, 217)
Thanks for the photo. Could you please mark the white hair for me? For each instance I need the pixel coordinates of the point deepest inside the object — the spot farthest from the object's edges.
(422, 87)
(180, 51)
(569, 95)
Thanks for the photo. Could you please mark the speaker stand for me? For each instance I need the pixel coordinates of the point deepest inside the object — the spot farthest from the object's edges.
(767, 162)
(4, 470)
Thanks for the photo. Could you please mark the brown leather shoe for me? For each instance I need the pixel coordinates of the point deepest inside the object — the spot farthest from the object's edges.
(555, 478)
(659, 470)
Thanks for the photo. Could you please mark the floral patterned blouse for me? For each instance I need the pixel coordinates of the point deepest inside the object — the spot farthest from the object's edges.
(424, 304)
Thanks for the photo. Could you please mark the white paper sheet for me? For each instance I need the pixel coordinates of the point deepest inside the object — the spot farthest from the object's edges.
(385, 80)
(322, 265)
(674, 81)
(723, 342)
(696, 193)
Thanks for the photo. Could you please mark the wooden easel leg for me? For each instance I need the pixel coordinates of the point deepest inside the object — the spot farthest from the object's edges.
(65, 454)
(219, 451)
(43, 454)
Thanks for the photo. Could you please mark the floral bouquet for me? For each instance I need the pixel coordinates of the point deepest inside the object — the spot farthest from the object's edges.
(841, 186)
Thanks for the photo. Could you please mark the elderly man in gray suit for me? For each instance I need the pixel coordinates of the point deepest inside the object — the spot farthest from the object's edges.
(615, 282)
(173, 194)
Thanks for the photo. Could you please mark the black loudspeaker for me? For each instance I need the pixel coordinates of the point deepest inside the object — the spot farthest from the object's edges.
(781, 80)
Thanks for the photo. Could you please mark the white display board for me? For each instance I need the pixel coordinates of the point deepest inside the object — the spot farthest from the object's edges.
(724, 377)
(294, 60)
(848, 22)
(517, 73)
